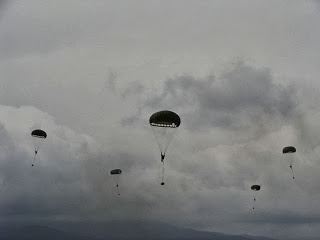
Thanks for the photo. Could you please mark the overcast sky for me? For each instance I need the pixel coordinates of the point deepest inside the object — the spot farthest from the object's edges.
(242, 75)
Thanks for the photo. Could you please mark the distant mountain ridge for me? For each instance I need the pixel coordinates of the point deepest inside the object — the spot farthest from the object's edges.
(113, 231)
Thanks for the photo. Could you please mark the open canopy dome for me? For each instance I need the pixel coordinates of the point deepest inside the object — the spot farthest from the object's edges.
(39, 133)
(165, 119)
(255, 187)
(115, 171)
(289, 149)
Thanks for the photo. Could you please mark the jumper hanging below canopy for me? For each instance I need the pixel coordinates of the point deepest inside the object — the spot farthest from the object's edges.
(38, 136)
(116, 177)
(289, 153)
(255, 188)
(164, 125)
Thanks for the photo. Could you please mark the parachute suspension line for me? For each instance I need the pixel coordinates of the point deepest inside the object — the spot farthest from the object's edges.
(36, 149)
(291, 167)
(37, 144)
(162, 177)
(293, 177)
(35, 155)
(290, 153)
(116, 181)
(118, 190)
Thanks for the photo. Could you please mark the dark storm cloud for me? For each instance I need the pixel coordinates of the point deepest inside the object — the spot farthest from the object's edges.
(243, 98)
(45, 189)
(199, 174)
(71, 177)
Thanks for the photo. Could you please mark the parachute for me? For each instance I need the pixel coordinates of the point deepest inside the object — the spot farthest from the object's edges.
(255, 188)
(38, 136)
(289, 153)
(116, 177)
(164, 125)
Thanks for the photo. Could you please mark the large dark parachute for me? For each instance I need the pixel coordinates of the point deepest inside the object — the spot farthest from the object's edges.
(164, 125)
(116, 177)
(289, 153)
(255, 188)
(37, 135)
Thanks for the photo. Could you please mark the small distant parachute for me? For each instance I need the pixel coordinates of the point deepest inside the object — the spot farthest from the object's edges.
(38, 136)
(255, 188)
(289, 153)
(164, 125)
(116, 177)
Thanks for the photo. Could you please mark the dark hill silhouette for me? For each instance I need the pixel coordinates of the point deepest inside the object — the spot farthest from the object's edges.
(113, 231)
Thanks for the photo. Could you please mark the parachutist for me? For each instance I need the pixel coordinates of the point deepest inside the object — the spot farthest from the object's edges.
(116, 174)
(38, 135)
(32, 165)
(254, 199)
(164, 125)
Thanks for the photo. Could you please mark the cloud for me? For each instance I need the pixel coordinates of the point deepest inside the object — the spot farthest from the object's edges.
(209, 167)
(244, 99)
(236, 100)
(55, 184)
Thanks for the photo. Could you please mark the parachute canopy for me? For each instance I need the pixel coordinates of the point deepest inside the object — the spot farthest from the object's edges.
(115, 171)
(289, 149)
(255, 187)
(39, 133)
(164, 124)
(165, 119)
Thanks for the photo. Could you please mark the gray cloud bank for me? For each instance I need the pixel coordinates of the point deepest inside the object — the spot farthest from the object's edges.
(233, 130)
(239, 99)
